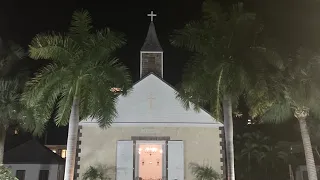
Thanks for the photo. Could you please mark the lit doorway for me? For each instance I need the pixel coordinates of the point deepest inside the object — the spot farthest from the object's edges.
(150, 160)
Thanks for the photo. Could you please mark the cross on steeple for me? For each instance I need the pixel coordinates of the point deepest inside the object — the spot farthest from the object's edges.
(151, 15)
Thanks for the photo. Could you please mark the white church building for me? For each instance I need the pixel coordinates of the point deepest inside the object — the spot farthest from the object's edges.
(153, 137)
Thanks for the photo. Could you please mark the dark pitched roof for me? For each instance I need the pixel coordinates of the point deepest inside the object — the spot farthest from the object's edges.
(151, 42)
(32, 152)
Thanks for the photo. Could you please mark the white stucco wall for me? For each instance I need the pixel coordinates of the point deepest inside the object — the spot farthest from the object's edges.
(201, 145)
(152, 104)
(302, 169)
(32, 170)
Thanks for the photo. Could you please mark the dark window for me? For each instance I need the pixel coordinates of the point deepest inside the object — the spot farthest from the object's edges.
(44, 175)
(152, 64)
(20, 174)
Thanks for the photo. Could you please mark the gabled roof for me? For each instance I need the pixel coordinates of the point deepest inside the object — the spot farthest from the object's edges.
(135, 109)
(151, 42)
(32, 152)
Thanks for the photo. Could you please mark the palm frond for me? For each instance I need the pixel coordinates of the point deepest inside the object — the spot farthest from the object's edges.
(16, 50)
(115, 73)
(30, 121)
(91, 174)
(9, 98)
(98, 172)
(185, 100)
(278, 113)
(98, 80)
(81, 25)
(43, 91)
(61, 49)
(193, 36)
(107, 111)
(64, 106)
(9, 57)
(204, 172)
(212, 10)
(103, 43)
(14, 112)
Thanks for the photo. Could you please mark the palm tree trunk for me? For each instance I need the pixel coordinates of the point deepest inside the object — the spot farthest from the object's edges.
(311, 168)
(290, 172)
(2, 141)
(72, 140)
(228, 127)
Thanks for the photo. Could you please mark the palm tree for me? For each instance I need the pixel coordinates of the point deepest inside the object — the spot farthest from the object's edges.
(204, 172)
(79, 79)
(269, 156)
(297, 96)
(254, 144)
(13, 112)
(227, 58)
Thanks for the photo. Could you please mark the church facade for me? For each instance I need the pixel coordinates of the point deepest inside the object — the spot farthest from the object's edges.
(153, 136)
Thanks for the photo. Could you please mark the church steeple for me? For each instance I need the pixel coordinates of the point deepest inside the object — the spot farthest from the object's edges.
(151, 53)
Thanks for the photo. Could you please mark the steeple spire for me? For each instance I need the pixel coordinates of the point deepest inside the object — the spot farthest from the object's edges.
(151, 42)
(151, 53)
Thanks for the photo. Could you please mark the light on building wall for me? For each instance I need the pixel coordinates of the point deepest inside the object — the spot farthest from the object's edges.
(150, 150)
(63, 153)
(53, 150)
(249, 122)
(115, 89)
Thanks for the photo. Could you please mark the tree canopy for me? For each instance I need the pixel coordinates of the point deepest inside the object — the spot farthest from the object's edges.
(84, 63)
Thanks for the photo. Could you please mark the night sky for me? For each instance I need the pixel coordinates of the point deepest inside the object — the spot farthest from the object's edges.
(21, 20)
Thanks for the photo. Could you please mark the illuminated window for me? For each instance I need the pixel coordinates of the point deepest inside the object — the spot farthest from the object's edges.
(63, 153)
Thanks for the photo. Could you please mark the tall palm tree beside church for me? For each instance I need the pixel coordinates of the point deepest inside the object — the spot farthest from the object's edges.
(227, 58)
(297, 96)
(80, 79)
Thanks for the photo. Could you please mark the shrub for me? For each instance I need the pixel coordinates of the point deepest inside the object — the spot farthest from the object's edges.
(98, 172)
(5, 174)
(204, 172)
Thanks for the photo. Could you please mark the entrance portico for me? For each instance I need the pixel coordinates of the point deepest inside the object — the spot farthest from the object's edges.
(150, 160)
